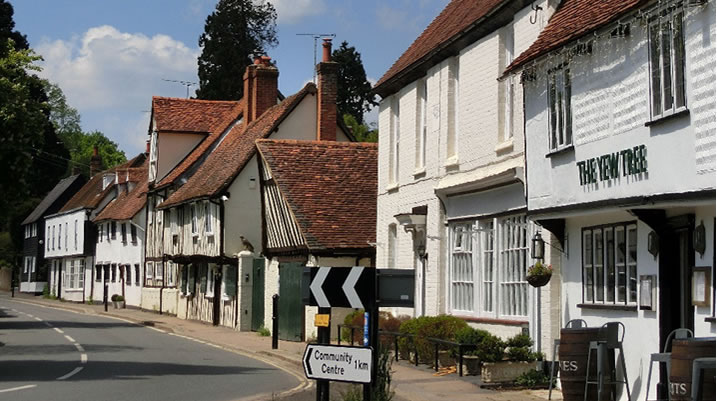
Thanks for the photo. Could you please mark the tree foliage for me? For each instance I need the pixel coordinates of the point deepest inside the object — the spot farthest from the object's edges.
(362, 132)
(354, 91)
(233, 33)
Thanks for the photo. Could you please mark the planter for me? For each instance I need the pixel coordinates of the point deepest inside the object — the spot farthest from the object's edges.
(505, 372)
(116, 304)
(445, 359)
(538, 280)
(471, 365)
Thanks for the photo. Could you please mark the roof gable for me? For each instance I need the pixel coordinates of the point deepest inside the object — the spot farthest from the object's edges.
(66, 184)
(331, 188)
(189, 115)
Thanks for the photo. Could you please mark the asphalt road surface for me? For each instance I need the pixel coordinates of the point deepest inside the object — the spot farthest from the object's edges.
(59, 355)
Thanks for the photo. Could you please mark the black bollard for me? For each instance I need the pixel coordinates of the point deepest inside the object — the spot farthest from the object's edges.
(104, 298)
(275, 321)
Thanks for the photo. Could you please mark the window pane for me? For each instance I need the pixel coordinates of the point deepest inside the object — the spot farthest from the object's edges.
(620, 252)
(568, 117)
(488, 243)
(678, 61)
(632, 262)
(599, 274)
(553, 115)
(655, 70)
(588, 268)
(666, 32)
(610, 264)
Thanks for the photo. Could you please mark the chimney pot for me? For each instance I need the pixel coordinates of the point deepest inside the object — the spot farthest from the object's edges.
(260, 88)
(95, 162)
(148, 147)
(266, 61)
(327, 50)
(257, 60)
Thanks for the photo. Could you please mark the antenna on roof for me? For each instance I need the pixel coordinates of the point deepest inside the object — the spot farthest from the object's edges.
(188, 84)
(316, 37)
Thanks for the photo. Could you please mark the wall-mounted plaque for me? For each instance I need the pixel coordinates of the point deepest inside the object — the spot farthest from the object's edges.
(648, 295)
(701, 285)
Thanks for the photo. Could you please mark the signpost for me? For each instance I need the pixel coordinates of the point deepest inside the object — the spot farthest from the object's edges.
(338, 363)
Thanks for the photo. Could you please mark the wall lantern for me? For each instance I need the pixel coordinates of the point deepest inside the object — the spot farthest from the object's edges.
(538, 250)
(699, 239)
(653, 243)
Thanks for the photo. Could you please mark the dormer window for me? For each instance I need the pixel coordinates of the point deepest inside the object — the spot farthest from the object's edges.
(107, 180)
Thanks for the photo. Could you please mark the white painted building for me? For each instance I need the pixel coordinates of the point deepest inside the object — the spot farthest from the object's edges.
(119, 254)
(620, 137)
(451, 201)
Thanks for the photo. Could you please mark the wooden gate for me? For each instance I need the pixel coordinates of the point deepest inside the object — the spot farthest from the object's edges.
(257, 295)
(291, 307)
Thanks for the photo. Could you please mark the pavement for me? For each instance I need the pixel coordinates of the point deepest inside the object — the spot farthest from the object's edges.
(408, 382)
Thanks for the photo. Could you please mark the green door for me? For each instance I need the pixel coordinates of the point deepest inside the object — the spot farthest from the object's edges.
(257, 295)
(291, 307)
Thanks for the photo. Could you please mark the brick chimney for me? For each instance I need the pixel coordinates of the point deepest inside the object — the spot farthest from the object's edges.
(260, 88)
(327, 72)
(95, 162)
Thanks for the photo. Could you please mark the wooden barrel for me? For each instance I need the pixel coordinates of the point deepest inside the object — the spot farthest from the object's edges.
(684, 351)
(573, 359)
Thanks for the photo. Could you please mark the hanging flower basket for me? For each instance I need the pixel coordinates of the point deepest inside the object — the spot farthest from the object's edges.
(539, 274)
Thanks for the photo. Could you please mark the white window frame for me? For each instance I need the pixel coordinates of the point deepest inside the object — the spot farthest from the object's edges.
(67, 230)
(194, 219)
(210, 281)
(392, 258)
(560, 126)
(508, 85)
(27, 231)
(148, 274)
(422, 126)
(158, 273)
(76, 234)
(59, 237)
(614, 270)
(495, 259)
(662, 103)
(27, 265)
(453, 113)
(34, 229)
(171, 272)
(395, 137)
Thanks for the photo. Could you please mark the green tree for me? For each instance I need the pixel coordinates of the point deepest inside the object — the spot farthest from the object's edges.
(7, 29)
(64, 118)
(108, 150)
(233, 33)
(354, 91)
(362, 132)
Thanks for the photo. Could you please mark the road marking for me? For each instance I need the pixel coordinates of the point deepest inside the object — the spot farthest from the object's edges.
(79, 347)
(58, 330)
(29, 315)
(156, 329)
(70, 339)
(38, 319)
(7, 390)
(74, 372)
(83, 358)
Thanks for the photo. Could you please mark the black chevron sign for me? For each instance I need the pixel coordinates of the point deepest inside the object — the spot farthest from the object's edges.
(342, 287)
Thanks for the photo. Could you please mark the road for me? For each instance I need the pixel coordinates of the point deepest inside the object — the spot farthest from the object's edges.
(47, 353)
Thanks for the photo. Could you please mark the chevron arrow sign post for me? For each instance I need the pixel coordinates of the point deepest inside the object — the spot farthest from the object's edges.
(343, 287)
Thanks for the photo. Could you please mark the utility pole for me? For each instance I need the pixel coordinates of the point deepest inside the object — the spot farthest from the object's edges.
(316, 37)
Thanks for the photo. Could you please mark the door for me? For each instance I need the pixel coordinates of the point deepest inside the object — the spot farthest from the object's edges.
(217, 302)
(677, 256)
(257, 295)
(291, 307)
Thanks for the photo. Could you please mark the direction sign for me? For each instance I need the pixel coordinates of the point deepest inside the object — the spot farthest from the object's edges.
(337, 363)
(342, 287)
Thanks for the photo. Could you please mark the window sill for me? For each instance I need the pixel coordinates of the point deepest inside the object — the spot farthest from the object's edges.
(629, 308)
(451, 162)
(490, 320)
(392, 187)
(505, 146)
(684, 111)
(565, 149)
(419, 172)
(195, 235)
(208, 234)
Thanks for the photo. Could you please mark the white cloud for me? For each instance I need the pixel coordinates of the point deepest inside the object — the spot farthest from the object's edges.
(397, 19)
(110, 75)
(291, 11)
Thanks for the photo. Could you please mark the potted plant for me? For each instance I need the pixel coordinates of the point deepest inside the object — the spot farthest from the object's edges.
(539, 274)
(515, 359)
(117, 301)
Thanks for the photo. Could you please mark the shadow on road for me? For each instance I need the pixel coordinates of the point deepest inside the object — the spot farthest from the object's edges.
(39, 349)
(22, 370)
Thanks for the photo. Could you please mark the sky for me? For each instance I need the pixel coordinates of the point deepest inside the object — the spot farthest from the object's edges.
(111, 57)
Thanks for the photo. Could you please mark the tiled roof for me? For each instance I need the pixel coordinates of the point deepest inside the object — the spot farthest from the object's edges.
(189, 115)
(228, 116)
(573, 19)
(127, 204)
(51, 197)
(91, 194)
(331, 188)
(237, 148)
(457, 17)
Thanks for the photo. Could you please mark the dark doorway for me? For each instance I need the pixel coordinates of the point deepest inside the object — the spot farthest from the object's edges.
(257, 294)
(217, 304)
(291, 307)
(676, 258)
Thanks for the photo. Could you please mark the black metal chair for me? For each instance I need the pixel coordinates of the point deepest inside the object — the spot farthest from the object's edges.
(666, 356)
(572, 324)
(610, 337)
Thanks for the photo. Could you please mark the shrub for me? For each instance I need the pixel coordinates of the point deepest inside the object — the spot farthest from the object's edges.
(114, 297)
(117, 298)
(533, 378)
(519, 349)
(386, 322)
(491, 349)
(469, 335)
(263, 331)
(442, 327)
(520, 340)
(46, 291)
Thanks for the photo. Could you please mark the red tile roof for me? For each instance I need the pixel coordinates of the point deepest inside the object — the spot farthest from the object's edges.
(91, 194)
(218, 119)
(127, 204)
(573, 19)
(457, 17)
(331, 188)
(189, 115)
(237, 148)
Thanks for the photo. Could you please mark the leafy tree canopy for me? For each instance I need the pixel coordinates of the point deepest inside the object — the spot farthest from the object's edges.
(7, 26)
(235, 32)
(353, 95)
(362, 132)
